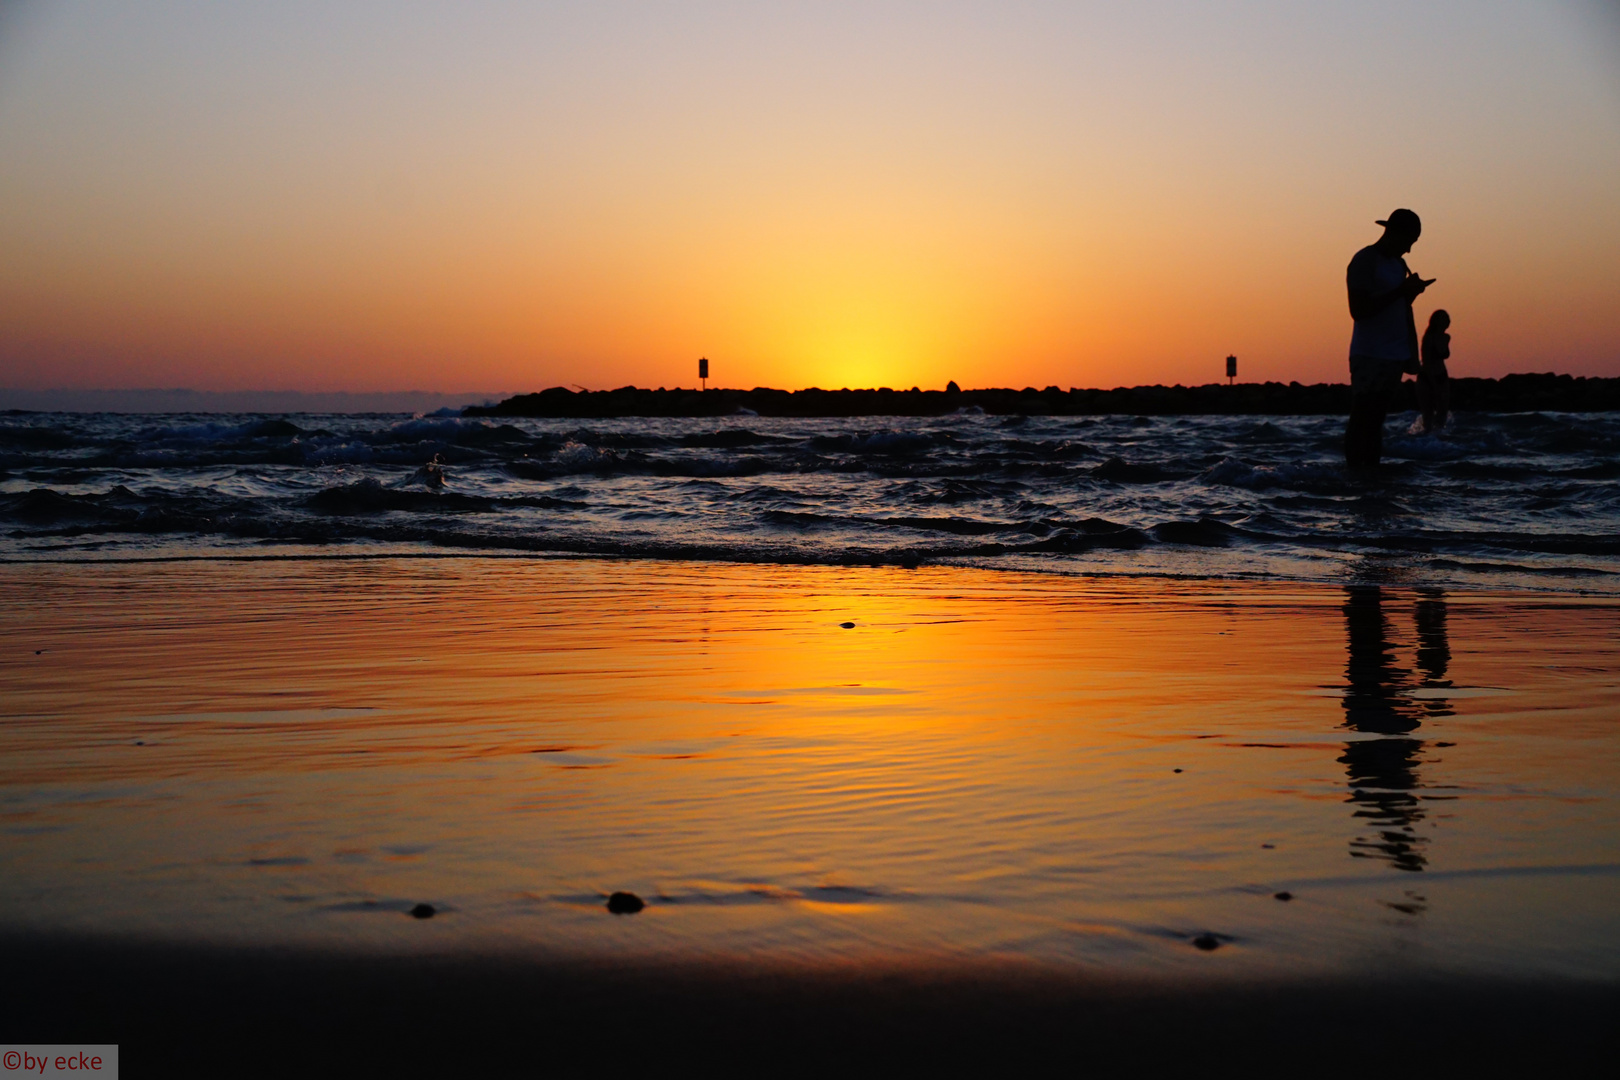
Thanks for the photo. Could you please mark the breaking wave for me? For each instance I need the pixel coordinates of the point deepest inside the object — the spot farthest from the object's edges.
(1521, 499)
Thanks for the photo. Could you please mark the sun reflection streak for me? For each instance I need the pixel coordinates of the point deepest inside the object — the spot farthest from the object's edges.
(978, 763)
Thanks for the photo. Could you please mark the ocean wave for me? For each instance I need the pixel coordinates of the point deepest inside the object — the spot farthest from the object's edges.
(731, 439)
(48, 512)
(1310, 477)
(1252, 495)
(1204, 532)
(369, 496)
(881, 442)
(1121, 471)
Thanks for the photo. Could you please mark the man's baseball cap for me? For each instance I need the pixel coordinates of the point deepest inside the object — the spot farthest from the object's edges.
(1402, 219)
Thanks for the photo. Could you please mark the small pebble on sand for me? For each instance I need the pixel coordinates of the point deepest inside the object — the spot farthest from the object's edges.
(1268, 847)
(1207, 942)
(1178, 770)
(1284, 895)
(624, 903)
(847, 625)
(423, 911)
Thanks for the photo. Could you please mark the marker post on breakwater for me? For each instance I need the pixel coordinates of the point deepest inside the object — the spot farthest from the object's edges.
(1231, 370)
(703, 372)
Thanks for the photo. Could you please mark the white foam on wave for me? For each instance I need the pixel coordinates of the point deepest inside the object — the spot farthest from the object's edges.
(438, 425)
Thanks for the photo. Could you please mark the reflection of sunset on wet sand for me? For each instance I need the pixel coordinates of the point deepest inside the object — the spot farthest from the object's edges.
(984, 765)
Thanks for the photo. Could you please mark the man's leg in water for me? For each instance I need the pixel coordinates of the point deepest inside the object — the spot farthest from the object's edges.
(1372, 387)
(1364, 433)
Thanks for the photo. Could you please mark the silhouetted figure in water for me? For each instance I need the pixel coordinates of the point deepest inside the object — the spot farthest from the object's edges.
(1384, 344)
(1434, 381)
(1383, 771)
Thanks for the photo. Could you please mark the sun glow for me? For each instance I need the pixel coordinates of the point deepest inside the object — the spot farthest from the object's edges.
(1047, 194)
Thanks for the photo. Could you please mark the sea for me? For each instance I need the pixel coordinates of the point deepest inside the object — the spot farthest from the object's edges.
(1511, 501)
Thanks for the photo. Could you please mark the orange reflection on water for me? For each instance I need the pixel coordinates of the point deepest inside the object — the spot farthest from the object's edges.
(982, 764)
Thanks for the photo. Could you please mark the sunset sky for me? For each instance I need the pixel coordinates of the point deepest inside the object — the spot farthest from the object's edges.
(370, 196)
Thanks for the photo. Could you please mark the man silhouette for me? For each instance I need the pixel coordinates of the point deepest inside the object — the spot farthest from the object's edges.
(1384, 343)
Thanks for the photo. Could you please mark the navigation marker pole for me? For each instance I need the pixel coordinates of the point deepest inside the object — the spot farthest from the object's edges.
(703, 371)
(1231, 369)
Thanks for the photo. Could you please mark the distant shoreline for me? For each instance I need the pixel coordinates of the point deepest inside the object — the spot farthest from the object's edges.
(1511, 393)
(239, 401)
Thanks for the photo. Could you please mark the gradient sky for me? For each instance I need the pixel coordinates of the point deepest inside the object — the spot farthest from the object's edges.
(364, 196)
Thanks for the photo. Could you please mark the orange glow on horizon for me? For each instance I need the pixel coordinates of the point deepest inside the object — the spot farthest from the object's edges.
(1032, 197)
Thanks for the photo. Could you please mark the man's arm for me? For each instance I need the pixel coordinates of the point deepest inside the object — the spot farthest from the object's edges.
(1364, 304)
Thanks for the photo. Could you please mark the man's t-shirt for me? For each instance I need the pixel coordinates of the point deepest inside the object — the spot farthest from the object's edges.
(1385, 335)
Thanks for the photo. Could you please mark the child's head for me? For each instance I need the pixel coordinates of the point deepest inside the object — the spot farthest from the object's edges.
(1439, 320)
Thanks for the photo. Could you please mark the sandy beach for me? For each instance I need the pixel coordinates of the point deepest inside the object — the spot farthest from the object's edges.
(1016, 793)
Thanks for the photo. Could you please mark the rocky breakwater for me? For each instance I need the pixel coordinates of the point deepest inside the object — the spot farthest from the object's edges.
(1511, 393)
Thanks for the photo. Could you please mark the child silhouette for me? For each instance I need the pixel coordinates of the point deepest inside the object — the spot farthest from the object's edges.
(1433, 381)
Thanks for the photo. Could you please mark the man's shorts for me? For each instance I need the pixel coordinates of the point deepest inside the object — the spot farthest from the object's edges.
(1370, 375)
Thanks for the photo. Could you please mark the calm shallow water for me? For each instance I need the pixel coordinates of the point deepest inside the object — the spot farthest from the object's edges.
(984, 765)
(1498, 501)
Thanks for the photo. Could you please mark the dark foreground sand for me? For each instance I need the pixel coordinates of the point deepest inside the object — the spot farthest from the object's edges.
(218, 1011)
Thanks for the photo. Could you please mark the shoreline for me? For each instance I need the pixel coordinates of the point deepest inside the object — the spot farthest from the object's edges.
(1389, 577)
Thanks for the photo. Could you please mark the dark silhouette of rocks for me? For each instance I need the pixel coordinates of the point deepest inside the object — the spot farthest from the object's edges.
(1511, 393)
(625, 903)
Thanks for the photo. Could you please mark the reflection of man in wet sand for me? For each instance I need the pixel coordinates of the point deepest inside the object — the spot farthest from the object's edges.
(1383, 771)
(1384, 343)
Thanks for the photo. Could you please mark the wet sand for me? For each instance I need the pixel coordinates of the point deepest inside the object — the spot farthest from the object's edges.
(996, 807)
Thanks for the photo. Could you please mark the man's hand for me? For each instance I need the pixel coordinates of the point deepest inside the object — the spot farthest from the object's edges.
(1414, 285)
